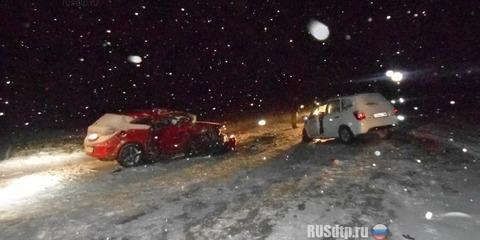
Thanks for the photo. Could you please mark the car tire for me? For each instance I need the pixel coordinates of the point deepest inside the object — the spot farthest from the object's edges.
(346, 135)
(305, 137)
(130, 155)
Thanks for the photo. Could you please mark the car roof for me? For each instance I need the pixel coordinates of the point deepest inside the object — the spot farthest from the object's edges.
(354, 95)
(155, 113)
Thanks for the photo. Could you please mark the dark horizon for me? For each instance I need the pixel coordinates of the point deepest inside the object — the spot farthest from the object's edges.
(64, 63)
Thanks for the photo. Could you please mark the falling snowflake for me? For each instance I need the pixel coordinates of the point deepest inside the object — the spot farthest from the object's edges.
(318, 30)
(134, 59)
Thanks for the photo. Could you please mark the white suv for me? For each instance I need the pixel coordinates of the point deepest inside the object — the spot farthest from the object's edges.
(349, 116)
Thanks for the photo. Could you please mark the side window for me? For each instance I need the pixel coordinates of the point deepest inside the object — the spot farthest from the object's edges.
(162, 123)
(346, 104)
(333, 106)
(319, 110)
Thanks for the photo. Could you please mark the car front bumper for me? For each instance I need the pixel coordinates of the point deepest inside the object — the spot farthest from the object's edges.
(100, 151)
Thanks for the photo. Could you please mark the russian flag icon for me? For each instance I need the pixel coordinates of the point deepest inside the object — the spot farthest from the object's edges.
(379, 232)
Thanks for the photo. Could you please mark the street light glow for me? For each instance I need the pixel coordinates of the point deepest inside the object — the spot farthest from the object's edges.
(397, 76)
(394, 76)
(389, 73)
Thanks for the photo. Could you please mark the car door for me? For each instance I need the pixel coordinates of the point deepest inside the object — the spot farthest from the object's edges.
(312, 124)
(180, 134)
(170, 135)
(332, 118)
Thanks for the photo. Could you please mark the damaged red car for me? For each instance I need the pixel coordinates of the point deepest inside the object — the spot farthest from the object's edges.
(149, 135)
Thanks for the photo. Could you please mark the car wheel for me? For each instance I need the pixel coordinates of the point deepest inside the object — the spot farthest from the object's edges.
(346, 135)
(305, 137)
(130, 155)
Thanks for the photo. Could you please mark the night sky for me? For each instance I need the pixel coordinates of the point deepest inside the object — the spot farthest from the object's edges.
(64, 63)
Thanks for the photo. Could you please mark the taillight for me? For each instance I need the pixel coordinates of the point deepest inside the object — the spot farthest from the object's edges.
(359, 115)
(395, 111)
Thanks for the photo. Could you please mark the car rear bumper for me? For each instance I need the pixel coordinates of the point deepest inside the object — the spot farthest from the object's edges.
(390, 126)
(372, 124)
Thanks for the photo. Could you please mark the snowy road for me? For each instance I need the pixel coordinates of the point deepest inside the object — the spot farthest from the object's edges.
(271, 188)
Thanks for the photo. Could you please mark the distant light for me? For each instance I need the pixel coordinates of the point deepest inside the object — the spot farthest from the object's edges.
(389, 73)
(452, 102)
(401, 117)
(428, 215)
(397, 76)
(318, 30)
(262, 122)
(134, 59)
(401, 100)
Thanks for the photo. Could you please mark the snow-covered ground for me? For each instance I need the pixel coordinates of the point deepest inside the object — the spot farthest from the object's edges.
(423, 184)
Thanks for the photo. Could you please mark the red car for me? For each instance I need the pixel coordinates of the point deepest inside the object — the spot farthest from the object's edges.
(133, 138)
